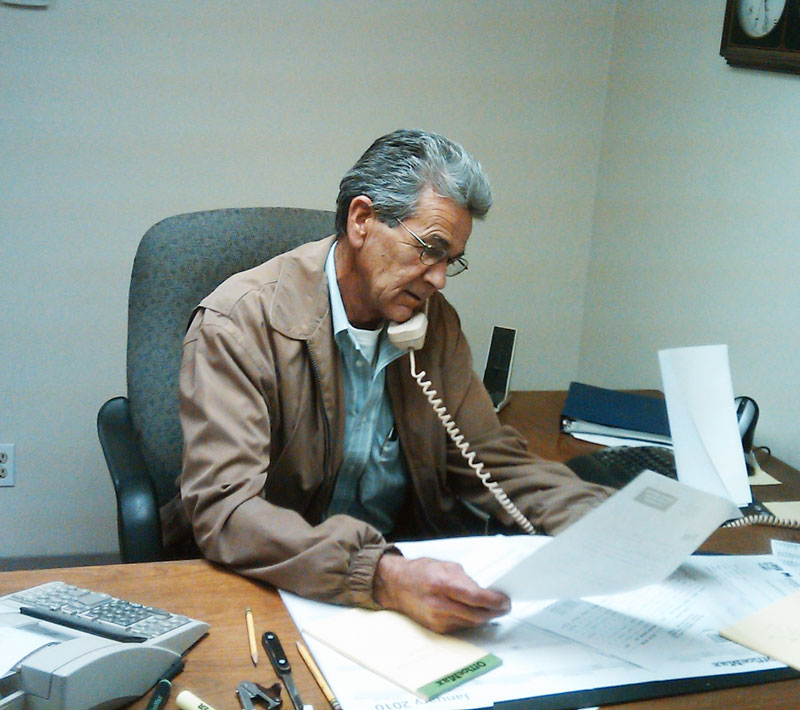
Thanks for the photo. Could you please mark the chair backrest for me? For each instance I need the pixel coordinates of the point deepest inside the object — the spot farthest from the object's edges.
(179, 261)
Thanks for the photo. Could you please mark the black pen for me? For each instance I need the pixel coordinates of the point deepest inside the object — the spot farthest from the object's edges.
(174, 669)
(160, 695)
(164, 686)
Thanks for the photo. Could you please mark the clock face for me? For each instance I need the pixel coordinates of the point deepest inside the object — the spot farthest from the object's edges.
(758, 17)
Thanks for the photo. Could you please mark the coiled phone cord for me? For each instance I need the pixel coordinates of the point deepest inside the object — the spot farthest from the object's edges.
(761, 519)
(463, 446)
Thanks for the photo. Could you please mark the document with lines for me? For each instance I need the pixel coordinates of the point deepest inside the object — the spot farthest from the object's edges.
(638, 536)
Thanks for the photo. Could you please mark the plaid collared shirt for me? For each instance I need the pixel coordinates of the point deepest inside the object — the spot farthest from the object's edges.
(372, 481)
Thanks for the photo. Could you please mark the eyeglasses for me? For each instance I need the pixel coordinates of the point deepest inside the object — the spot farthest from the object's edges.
(432, 255)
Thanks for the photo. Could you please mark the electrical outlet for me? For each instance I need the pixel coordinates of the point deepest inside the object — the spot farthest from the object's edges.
(6, 465)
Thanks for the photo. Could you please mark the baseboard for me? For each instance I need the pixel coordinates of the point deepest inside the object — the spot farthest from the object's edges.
(54, 561)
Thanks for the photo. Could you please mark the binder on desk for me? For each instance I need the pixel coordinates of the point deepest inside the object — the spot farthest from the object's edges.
(596, 410)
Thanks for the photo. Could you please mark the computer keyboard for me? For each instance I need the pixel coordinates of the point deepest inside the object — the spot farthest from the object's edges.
(103, 615)
(616, 466)
(619, 465)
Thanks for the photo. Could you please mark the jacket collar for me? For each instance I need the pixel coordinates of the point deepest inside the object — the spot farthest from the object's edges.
(301, 303)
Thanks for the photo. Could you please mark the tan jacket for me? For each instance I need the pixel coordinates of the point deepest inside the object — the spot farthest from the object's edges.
(262, 409)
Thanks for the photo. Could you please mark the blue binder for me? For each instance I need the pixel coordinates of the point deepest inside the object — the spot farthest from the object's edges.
(620, 412)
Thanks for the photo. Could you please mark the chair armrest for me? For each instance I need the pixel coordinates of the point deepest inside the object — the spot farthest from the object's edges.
(138, 521)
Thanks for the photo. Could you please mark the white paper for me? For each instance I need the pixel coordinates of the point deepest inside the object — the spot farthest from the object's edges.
(16, 644)
(614, 440)
(787, 554)
(636, 537)
(357, 687)
(702, 421)
(665, 626)
(416, 659)
(715, 591)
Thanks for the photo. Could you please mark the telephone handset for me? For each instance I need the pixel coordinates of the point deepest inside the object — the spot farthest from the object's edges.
(410, 336)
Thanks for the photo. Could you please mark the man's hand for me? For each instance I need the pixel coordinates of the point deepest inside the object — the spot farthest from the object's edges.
(438, 595)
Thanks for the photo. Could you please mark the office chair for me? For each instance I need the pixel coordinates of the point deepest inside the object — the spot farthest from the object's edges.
(179, 261)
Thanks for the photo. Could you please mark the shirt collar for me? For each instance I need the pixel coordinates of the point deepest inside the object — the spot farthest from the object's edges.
(340, 322)
(387, 351)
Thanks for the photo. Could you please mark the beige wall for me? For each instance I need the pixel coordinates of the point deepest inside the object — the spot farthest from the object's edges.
(646, 193)
(696, 230)
(117, 114)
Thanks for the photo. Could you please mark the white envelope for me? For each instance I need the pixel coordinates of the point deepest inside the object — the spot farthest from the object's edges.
(702, 421)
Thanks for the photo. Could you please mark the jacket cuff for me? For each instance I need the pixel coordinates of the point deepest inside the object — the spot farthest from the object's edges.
(362, 574)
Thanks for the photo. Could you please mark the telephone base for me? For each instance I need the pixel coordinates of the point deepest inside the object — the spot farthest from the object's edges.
(502, 403)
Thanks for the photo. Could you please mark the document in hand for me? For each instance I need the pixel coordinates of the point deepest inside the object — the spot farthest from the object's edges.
(639, 536)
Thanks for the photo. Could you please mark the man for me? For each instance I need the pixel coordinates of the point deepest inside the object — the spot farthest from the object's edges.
(308, 445)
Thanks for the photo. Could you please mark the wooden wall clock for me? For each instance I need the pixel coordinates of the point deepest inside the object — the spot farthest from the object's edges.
(762, 34)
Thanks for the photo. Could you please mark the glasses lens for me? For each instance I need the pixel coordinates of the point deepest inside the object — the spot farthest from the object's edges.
(454, 268)
(431, 256)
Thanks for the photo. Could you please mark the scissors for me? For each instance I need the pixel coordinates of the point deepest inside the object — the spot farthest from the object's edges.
(250, 692)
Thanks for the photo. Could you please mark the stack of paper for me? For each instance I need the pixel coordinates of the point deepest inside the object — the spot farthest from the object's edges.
(400, 650)
(661, 639)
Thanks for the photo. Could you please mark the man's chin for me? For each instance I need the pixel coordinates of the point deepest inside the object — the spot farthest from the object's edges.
(401, 314)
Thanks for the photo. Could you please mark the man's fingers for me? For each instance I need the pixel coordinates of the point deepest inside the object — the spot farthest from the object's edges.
(439, 595)
(455, 584)
(445, 615)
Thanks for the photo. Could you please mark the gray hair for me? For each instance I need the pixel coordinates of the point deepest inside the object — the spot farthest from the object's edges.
(398, 167)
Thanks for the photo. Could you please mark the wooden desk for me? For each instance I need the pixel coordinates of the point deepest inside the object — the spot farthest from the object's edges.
(221, 660)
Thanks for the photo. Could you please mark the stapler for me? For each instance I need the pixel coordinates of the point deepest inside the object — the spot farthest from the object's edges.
(253, 692)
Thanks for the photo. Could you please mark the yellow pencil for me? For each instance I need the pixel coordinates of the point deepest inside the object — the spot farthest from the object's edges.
(317, 673)
(251, 635)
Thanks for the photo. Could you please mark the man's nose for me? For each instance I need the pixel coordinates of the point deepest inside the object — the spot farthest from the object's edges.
(436, 275)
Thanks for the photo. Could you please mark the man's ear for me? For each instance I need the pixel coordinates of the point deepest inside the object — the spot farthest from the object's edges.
(357, 216)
